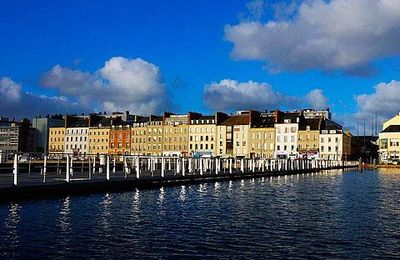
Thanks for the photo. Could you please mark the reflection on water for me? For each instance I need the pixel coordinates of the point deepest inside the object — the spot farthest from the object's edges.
(324, 215)
(182, 193)
(11, 224)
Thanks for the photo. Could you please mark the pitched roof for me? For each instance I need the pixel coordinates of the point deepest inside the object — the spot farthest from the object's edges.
(259, 122)
(314, 124)
(391, 128)
(237, 120)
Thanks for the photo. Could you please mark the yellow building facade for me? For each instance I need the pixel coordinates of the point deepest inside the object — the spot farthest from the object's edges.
(389, 141)
(99, 140)
(262, 142)
(202, 136)
(56, 139)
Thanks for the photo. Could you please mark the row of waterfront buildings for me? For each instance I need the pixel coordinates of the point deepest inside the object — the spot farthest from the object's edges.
(274, 134)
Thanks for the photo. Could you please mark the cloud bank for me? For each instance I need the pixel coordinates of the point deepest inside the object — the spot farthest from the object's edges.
(121, 84)
(17, 103)
(230, 95)
(344, 35)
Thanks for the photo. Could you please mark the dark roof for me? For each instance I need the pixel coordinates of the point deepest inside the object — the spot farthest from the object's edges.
(290, 115)
(314, 124)
(237, 120)
(391, 128)
(259, 122)
(80, 122)
(332, 127)
(103, 121)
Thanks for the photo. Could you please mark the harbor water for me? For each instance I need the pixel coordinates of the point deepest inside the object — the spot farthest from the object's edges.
(330, 214)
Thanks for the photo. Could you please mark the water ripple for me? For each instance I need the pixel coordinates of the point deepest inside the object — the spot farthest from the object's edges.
(322, 215)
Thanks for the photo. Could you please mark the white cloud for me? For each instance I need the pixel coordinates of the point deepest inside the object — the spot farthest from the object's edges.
(385, 101)
(316, 99)
(122, 84)
(233, 95)
(9, 89)
(17, 103)
(331, 35)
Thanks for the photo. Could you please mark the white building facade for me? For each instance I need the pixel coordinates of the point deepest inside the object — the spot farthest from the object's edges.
(77, 140)
(286, 139)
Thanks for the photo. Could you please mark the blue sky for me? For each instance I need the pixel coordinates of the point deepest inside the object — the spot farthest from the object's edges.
(188, 42)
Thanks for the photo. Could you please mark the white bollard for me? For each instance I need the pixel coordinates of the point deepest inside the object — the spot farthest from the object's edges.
(44, 165)
(15, 170)
(108, 168)
(67, 172)
(90, 168)
(230, 165)
(183, 166)
(162, 167)
(242, 165)
(137, 167)
(201, 166)
(114, 162)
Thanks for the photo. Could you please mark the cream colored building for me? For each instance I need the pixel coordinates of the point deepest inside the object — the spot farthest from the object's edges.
(389, 141)
(56, 139)
(202, 136)
(99, 139)
(232, 135)
(308, 138)
(175, 140)
(139, 136)
(262, 135)
(153, 139)
(334, 144)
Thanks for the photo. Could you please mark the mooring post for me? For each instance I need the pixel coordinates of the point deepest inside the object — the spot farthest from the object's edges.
(190, 161)
(242, 165)
(216, 166)
(71, 166)
(114, 162)
(45, 164)
(67, 172)
(90, 168)
(29, 164)
(183, 166)
(15, 170)
(201, 166)
(44, 168)
(94, 164)
(162, 167)
(230, 165)
(58, 165)
(108, 168)
(137, 167)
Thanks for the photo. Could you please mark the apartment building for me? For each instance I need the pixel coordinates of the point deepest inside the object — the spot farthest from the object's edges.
(76, 135)
(334, 144)
(42, 125)
(308, 137)
(287, 128)
(262, 135)
(389, 140)
(16, 136)
(139, 135)
(232, 135)
(56, 139)
(99, 135)
(120, 139)
(202, 136)
(176, 134)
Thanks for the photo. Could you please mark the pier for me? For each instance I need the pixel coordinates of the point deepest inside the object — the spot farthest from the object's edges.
(60, 174)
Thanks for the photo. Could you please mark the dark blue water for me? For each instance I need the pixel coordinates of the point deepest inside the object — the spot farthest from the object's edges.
(328, 215)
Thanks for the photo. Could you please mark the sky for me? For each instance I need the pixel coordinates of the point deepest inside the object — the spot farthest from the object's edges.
(153, 56)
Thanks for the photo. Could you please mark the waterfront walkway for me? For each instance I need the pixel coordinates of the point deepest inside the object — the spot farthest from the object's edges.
(68, 175)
